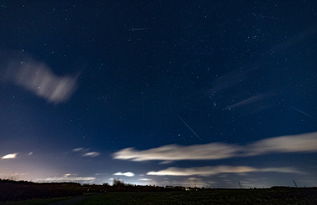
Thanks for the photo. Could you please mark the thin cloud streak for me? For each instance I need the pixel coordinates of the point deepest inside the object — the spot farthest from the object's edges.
(91, 154)
(301, 111)
(85, 152)
(250, 100)
(285, 144)
(78, 149)
(67, 179)
(209, 170)
(145, 179)
(227, 81)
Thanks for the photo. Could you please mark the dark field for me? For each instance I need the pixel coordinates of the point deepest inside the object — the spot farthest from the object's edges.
(208, 197)
(217, 196)
(21, 192)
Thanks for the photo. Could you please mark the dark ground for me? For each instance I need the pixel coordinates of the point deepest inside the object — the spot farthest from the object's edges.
(20, 193)
(217, 196)
(267, 197)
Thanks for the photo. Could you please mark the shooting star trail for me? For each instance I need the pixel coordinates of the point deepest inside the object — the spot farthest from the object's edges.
(189, 127)
(301, 111)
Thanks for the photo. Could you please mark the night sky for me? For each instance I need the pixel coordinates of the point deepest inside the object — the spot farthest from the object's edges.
(194, 93)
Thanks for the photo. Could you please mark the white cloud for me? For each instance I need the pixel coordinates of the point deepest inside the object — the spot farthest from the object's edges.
(145, 179)
(281, 170)
(291, 143)
(67, 179)
(208, 171)
(176, 152)
(67, 175)
(85, 152)
(10, 156)
(78, 149)
(38, 78)
(127, 174)
(91, 154)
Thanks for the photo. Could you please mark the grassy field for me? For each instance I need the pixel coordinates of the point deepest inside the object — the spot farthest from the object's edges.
(205, 197)
(257, 196)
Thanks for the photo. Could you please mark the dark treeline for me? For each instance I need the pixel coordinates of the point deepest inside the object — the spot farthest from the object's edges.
(20, 190)
(119, 186)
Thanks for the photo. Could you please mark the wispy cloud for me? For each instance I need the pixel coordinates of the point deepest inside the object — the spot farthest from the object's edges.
(301, 111)
(67, 179)
(208, 171)
(78, 149)
(227, 81)
(91, 154)
(145, 179)
(290, 143)
(10, 156)
(85, 152)
(13, 175)
(126, 174)
(250, 100)
(176, 152)
(38, 78)
(295, 39)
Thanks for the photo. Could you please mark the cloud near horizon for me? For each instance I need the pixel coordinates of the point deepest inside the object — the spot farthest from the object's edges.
(145, 179)
(67, 179)
(38, 78)
(10, 156)
(126, 174)
(214, 170)
(284, 144)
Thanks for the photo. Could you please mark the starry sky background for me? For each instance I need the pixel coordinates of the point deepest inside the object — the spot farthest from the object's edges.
(147, 74)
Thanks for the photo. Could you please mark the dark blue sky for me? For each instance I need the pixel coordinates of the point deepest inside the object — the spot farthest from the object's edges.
(225, 91)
